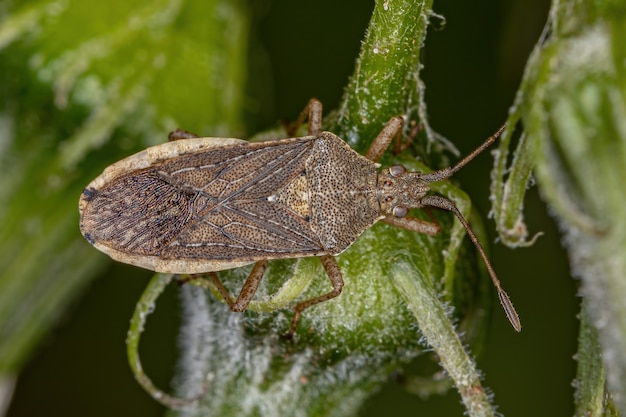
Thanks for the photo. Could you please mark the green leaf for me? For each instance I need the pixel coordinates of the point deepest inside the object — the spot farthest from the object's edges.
(572, 104)
(85, 83)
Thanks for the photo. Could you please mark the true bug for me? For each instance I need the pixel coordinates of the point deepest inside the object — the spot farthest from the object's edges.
(201, 205)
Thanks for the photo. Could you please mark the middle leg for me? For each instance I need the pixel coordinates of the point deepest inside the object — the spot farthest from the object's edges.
(334, 274)
(247, 291)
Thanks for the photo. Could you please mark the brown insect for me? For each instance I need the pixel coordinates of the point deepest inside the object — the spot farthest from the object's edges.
(200, 205)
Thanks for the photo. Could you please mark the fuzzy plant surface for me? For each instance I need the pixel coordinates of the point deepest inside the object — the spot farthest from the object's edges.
(138, 70)
(87, 83)
(572, 106)
(84, 84)
(391, 310)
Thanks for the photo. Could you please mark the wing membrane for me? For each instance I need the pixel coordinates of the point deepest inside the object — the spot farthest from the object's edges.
(212, 204)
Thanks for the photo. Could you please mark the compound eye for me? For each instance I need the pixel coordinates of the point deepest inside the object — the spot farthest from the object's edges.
(388, 199)
(400, 211)
(397, 170)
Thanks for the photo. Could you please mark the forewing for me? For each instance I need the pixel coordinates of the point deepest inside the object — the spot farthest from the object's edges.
(213, 204)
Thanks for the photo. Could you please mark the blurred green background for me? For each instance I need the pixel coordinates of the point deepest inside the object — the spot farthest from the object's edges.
(472, 67)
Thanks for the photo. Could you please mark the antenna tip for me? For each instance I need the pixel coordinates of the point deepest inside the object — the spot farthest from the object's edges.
(511, 314)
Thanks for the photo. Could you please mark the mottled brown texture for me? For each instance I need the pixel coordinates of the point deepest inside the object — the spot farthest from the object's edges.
(241, 203)
(342, 184)
(208, 204)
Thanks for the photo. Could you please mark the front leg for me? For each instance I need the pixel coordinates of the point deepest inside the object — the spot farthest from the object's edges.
(384, 138)
(413, 224)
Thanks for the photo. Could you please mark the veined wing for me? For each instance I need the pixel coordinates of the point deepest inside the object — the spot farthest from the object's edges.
(241, 219)
(213, 204)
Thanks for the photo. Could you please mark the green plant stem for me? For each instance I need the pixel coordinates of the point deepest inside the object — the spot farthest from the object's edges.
(145, 306)
(440, 333)
(345, 348)
(85, 84)
(591, 398)
(572, 103)
(385, 81)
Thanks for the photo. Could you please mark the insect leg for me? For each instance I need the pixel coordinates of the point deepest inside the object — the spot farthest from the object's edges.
(313, 112)
(507, 305)
(384, 138)
(247, 291)
(399, 146)
(334, 274)
(413, 224)
(179, 134)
